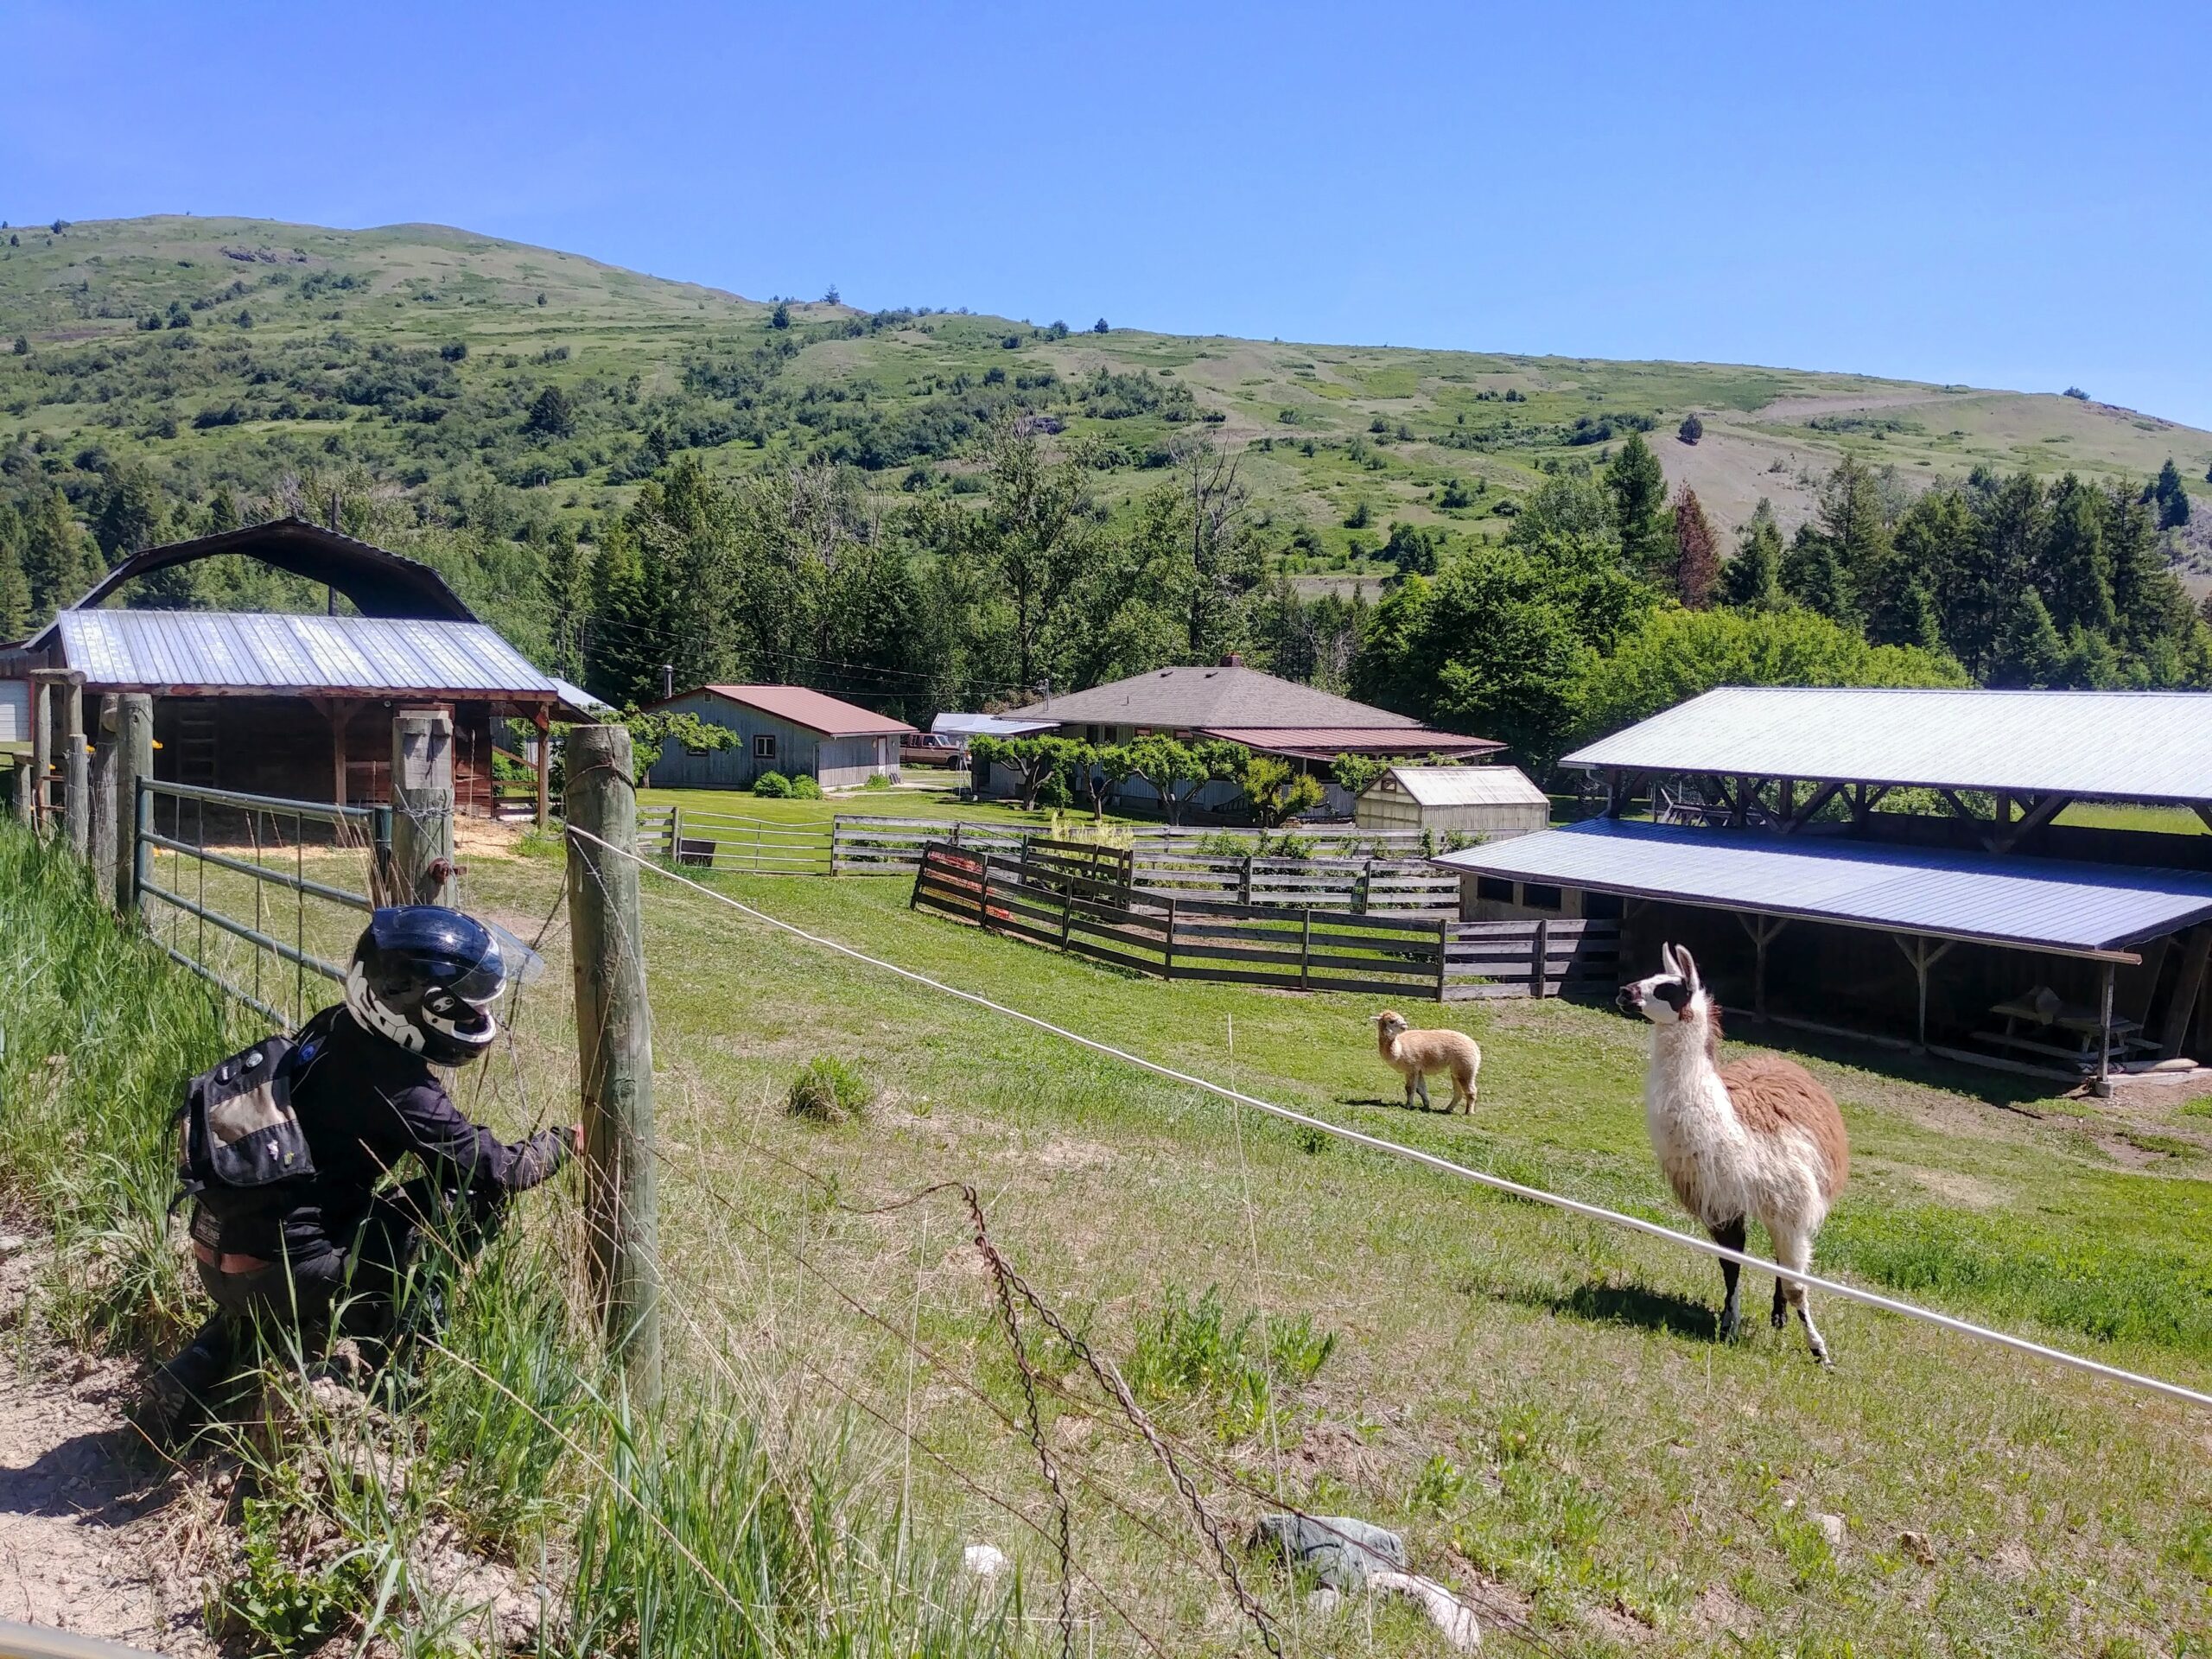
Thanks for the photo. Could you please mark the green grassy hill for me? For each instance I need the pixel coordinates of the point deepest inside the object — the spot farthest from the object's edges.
(252, 353)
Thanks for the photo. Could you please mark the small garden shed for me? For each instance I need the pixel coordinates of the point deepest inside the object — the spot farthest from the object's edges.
(786, 729)
(1491, 802)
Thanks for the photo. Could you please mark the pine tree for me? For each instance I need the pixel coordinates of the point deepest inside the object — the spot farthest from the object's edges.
(2091, 663)
(2071, 566)
(1854, 524)
(57, 560)
(1638, 489)
(14, 586)
(133, 516)
(2148, 601)
(2030, 656)
(1697, 552)
(1753, 578)
(2171, 497)
(1812, 575)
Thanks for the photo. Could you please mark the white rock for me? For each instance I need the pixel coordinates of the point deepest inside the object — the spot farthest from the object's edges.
(1323, 1602)
(1453, 1619)
(983, 1561)
(1832, 1529)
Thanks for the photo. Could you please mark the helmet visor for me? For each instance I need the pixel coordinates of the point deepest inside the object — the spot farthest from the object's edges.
(507, 961)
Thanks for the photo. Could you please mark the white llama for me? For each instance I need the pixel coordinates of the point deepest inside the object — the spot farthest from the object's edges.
(1756, 1138)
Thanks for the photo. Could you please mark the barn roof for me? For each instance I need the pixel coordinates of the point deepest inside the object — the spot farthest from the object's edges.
(1469, 786)
(2115, 745)
(2054, 905)
(377, 582)
(815, 711)
(1229, 696)
(217, 653)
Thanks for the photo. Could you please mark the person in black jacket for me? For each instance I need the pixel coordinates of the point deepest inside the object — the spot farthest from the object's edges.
(349, 1246)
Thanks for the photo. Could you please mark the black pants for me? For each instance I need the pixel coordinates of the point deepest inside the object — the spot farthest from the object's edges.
(402, 1256)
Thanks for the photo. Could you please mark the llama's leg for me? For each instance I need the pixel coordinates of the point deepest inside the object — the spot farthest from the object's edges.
(1729, 1237)
(1795, 1250)
(1421, 1085)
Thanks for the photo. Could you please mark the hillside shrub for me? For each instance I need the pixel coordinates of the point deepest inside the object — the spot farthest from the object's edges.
(829, 1090)
(772, 786)
(806, 787)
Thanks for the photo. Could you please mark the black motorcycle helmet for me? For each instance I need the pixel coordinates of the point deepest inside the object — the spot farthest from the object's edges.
(427, 977)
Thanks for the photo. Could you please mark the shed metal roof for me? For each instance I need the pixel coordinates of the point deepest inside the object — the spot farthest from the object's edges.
(1469, 786)
(1229, 694)
(2118, 745)
(1326, 742)
(2040, 904)
(815, 711)
(953, 723)
(220, 653)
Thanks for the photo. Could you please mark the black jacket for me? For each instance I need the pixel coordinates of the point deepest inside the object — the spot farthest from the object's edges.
(364, 1103)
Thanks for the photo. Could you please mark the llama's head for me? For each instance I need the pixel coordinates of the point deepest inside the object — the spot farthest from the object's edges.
(1671, 996)
(1389, 1023)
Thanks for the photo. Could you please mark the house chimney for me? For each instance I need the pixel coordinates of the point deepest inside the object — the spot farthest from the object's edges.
(1235, 660)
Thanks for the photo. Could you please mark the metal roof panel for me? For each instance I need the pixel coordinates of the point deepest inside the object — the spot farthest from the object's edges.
(1469, 786)
(2034, 903)
(236, 651)
(2123, 745)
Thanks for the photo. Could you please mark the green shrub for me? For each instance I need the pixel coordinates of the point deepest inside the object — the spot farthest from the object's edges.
(806, 787)
(877, 780)
(829, 1090)
(772, 786)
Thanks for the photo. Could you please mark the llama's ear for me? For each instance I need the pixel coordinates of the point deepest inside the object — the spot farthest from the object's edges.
(1667, 960)
(1688, 969)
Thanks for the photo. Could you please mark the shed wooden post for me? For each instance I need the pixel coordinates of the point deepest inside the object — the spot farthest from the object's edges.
(615, 1048)
(42, 746)
(544, 766)
(104, 836)
(421, 801)
(134, 766)
(76, 767)
(2102, 1087)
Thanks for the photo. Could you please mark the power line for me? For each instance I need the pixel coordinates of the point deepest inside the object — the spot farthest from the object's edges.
(1443, 1165)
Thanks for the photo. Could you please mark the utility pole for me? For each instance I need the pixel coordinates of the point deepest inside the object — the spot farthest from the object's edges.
(421, 803)
(615, 1048)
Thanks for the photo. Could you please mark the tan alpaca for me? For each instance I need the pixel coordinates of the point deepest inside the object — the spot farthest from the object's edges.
(1415, 1053)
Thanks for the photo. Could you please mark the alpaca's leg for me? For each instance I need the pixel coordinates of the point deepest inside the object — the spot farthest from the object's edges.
(1421, 1083)
(1794, 1249)
(1729, 1237)
(1412, 1082)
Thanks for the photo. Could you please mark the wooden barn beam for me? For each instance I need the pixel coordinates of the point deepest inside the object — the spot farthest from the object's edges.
(2010, 835)
(1959, 806)
(544, 723)
(1918, 951)
(2195, 956)
(1805, 814)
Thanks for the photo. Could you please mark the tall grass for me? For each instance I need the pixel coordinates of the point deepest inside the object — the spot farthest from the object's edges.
(501, 1442)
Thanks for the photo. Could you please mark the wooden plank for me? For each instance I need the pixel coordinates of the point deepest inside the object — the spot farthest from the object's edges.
(1097, 953)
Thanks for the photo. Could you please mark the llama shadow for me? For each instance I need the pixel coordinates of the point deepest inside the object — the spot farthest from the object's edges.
(1652, 1310)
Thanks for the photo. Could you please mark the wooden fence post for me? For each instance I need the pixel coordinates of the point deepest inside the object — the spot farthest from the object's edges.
(983, 892)
(134, 766)
(1542, 959)
(615, 1048)
(1365, 882)
(103, 833)
(41, 744)
(1305, 948)
(1443, 953)
(675, 835)
(1167, 970)
(422, 800)
(76, 766)
(1244, 882)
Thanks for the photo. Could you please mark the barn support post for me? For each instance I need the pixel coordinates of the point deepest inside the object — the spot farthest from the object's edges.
(134, 801)
(544, 766)
(76, 766)
(1764, 931)
(103, 838)
(42, 746)
(2102, 1087)
(1923, 954)
(614, 1049)
(2195, 954)
(422, 800)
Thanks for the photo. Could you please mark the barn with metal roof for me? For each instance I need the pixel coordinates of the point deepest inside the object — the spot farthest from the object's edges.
(1897, 864)
(300, 706)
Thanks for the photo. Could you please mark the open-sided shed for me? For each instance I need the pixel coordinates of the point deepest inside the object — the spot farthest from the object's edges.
(1984, 928)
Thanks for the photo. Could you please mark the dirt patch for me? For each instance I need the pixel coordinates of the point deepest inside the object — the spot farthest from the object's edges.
(87, 1540)
(1061, 1153)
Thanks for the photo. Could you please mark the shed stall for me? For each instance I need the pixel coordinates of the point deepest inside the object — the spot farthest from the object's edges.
(1491, 802)
(786, 729)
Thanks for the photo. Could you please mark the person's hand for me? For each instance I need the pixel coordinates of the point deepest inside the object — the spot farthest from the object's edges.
(575, 1134)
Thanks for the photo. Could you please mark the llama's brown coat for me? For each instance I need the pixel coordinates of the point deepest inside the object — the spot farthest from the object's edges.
(1769, 1093)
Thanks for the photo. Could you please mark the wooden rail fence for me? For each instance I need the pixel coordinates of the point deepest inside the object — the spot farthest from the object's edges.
(1439, 959)
(727, 840)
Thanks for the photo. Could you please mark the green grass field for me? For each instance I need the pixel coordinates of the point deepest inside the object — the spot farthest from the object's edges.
(1537, 1402)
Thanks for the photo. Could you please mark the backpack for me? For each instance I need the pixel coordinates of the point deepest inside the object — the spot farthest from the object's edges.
(240, 1142)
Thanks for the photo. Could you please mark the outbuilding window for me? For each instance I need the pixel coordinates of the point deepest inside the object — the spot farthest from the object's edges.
(764, 746)
(1533, 897)
(1494, 887)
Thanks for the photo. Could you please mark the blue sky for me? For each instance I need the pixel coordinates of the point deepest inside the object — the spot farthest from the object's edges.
(2015, 196)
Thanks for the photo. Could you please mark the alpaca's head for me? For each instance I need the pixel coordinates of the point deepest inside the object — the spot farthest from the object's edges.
(1388, 1024)
(1674, 996)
